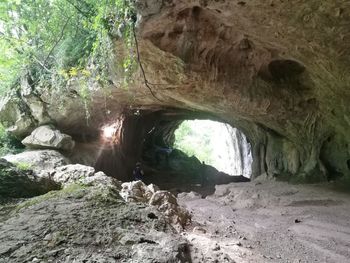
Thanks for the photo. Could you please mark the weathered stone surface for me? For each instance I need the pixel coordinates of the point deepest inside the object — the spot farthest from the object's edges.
(149, 7)
(268, 69)
(18, 122)
(72, 173)
(47, 137)
(165, 202)
(88, 224)
(77, 173)
(42, 162)
(137, 191)
(18, 182)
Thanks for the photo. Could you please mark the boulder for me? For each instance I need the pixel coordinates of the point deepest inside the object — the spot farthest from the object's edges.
(18, 122)
(137, 191)
(164, 201)
(88, 224)
(42, 162)
(82, 174)
(20, 183)
(72, 173)
(47, 137)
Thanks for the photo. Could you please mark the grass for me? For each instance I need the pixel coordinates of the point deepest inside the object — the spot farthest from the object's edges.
(23, 166)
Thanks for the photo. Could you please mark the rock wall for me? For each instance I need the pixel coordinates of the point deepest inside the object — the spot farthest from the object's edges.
(277, 71)
(239, 150)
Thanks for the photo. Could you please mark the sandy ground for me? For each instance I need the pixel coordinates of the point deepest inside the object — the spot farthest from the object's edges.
(269, 222)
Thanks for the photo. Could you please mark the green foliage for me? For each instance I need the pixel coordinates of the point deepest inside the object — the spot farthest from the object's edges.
(194, 141)
(8, 143)
(23, 166)
(52, 41)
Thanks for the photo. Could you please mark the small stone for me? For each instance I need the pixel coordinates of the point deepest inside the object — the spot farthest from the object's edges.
(237, 243)
(199, 229)
(217, 247)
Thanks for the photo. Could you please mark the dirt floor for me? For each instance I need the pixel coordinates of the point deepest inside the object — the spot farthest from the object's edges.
(269, 221)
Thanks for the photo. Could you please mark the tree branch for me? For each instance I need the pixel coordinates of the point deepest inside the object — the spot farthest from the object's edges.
(141, 66)
(87, 15)
(58, 40)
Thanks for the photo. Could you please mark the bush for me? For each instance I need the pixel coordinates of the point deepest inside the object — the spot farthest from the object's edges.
(8, 143)
(73, 34)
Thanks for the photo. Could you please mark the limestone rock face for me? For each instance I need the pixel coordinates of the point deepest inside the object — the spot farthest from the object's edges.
(275, 72)
(47, 137)
(18, 182)
(42, 162)
(72, 173)
(77, 173)
(88, 224)
(164, 201)
(137, 191)
(17, 122)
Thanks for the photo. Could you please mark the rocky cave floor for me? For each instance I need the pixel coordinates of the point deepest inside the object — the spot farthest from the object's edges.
(261, 221)
(269, 222)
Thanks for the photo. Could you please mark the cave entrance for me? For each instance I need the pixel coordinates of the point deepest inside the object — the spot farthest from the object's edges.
(171, 146)
(216, 144)
(187, 153)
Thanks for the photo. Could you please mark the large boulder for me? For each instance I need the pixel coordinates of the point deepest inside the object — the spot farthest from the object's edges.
(18, 182)
(47, 137)
(81, 174)
(88, 224)
(42, 162)
(17, 121)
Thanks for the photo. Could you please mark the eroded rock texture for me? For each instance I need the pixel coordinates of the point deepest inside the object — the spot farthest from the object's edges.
(164, 201)
(48, 138)
(88, 224)
(276, 70)
(18, 183)
(42, 162)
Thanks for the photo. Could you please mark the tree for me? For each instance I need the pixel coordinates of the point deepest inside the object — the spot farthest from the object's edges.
(53, 40)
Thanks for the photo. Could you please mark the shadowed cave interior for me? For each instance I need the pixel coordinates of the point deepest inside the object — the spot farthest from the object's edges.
(149, 137)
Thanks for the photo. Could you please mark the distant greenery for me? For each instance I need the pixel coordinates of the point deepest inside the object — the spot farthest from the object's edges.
(194, 141)
(50, 41)
(8, 143)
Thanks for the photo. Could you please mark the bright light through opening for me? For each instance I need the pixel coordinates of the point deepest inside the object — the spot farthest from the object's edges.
(109, 131)
(217, 144)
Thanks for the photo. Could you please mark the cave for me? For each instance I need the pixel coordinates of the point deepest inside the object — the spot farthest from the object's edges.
(105, 86)
(149, 137)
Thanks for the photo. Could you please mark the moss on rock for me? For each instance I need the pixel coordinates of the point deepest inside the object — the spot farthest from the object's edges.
(15, 182)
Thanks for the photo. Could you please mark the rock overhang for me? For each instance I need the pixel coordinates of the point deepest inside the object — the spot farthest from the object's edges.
(254, 66)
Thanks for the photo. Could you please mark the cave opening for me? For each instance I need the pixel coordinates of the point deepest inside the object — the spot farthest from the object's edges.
(184, 153)
(179, 150)
(216, 144)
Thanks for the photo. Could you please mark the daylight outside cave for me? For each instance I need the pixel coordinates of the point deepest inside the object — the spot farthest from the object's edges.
(217, 144)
